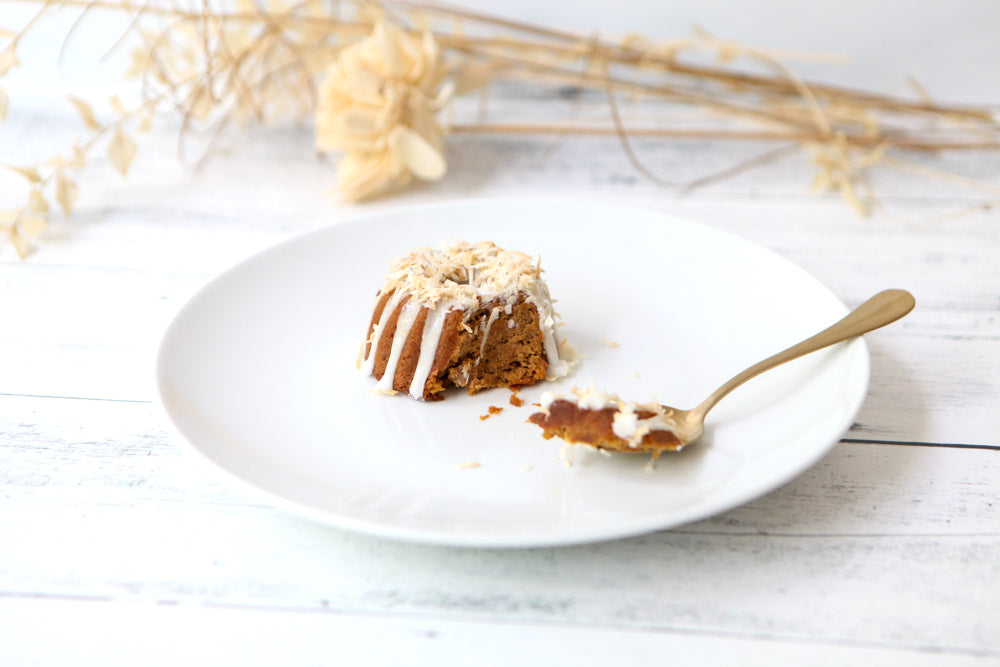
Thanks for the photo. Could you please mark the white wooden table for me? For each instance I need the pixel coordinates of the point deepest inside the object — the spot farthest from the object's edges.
(118, 548)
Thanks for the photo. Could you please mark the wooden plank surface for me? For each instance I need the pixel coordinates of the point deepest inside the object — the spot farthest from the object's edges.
(172, 634)
(882, 545)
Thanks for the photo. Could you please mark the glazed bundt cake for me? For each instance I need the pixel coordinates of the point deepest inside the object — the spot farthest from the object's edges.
(465, 315)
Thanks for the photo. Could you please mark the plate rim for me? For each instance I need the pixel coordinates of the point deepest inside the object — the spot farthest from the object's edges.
(416, 535)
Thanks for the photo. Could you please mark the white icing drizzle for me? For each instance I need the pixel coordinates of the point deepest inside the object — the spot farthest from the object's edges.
(403, 326)
(557, 367)
(433, 326)
(368, 364)
(539, 296)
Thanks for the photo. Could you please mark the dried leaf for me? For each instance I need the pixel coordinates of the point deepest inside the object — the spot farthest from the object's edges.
(444, 95)
(655, 56)
(700, 32)
(116, 105)
(8, 217)
(145, 122)
(728, 52)
(79, 156)
(850, 194)
(873, 157)
(121, 151)
(66, 193)
(20, 243)
(470, 76)
(201, 103)
(37, 201)
(86, 113)
(6, 33)
(140, 60)
(919, 89)
(365, 175)
(422, 159)
(31, 225)
(30, 173)
(635, 41)
(822, 182)
(8, 58)
(388, 38)
(4, 105)
(424, 122)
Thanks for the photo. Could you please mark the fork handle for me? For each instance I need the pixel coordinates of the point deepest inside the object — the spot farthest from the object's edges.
(882, 309)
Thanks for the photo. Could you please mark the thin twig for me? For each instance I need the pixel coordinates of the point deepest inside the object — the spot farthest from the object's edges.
(740, 167)
(623, 139)
(736, 135)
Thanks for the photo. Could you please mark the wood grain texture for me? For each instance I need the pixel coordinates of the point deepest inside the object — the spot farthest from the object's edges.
(877, 545)
(914, 592)
(184, 634)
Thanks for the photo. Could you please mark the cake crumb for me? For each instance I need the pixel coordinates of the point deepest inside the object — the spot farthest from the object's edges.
(527, 468)
(515, 400)
(494, 410)
(636, 375)
(469, 464)
(606, 342)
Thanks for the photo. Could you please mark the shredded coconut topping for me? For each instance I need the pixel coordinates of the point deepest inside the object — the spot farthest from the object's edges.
(464, 273)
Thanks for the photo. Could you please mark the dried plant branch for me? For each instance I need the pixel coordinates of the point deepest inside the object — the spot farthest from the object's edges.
(376, 83)
(720, 134)
(622, 135)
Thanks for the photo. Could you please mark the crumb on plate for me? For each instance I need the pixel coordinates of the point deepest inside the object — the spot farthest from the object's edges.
(494, 410)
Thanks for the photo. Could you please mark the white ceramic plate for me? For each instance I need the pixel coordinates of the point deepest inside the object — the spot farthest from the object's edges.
(257, 373)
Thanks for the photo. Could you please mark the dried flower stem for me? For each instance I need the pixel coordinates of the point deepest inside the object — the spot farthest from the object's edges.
(533, 71)
(214, 68)
(728, 135)
(616, 54)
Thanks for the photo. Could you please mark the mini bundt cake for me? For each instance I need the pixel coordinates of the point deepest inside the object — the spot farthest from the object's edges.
(464, 315)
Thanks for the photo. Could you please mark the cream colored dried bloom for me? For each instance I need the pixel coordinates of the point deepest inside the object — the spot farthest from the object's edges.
(377, 105)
